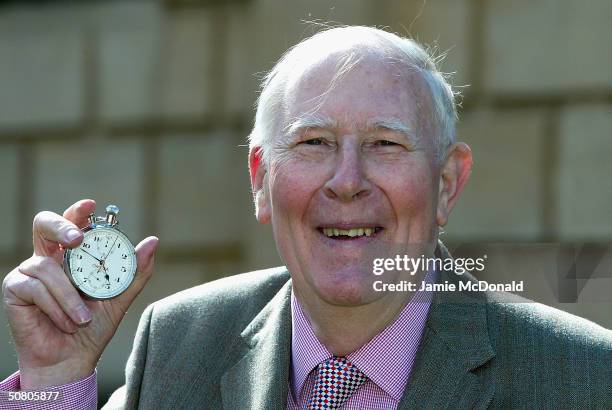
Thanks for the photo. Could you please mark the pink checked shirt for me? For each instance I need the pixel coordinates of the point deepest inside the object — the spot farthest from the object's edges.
(386, 360)
(82, 394)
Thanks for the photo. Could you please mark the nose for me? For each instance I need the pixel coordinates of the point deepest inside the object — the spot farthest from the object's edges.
(349, 180)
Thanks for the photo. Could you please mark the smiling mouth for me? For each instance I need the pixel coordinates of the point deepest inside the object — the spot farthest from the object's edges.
(348, 234)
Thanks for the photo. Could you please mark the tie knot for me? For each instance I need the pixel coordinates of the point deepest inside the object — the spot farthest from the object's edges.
(337, 380)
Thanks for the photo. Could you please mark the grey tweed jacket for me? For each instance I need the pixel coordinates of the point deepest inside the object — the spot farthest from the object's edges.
(227, 345)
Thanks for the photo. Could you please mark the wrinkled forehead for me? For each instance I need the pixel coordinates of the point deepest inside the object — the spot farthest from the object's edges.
(354, 86)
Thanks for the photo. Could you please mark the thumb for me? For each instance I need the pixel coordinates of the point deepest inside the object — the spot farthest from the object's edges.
(145, 259)
(145, 256)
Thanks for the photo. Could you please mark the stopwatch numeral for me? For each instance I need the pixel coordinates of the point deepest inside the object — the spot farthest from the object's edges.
(124, 256)
(123, 269)
(96, 239)
(86, 245)
(117, 279)
(80, 256)
(119, 245)
(79, 269)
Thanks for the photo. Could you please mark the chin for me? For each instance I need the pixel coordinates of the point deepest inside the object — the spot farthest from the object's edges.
(342, 291)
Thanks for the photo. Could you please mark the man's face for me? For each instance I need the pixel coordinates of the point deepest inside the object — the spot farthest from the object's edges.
(351, 160)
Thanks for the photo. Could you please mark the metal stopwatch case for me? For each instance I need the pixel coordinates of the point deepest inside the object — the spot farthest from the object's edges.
(104, 265)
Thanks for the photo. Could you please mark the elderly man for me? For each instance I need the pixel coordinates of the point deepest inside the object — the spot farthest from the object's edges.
(352, 158)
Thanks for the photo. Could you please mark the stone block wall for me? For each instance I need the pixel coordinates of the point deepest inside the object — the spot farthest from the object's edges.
(148, 104)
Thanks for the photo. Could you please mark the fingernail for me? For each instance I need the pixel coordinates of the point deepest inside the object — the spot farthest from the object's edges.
(83, 314)
(72, 234)
(71, 327)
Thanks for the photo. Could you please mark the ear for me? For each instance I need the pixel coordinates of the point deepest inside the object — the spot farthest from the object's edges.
(258, 171)
(454, 174)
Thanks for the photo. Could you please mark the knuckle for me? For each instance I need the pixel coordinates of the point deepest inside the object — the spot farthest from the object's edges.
(27, 266)
(39, 266)
(8, 281)
(51, 222)
(16, 284)
(37, 218)
(40, 218)
(47, 264)
(57, 224)
(36, 285)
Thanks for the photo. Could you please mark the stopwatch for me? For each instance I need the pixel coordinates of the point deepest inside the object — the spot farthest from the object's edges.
(104, 265)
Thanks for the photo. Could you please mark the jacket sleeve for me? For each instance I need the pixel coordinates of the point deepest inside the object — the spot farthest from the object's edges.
(128, 395)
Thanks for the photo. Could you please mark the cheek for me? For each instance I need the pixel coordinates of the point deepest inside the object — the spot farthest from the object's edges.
(410, 187)
(292, 184)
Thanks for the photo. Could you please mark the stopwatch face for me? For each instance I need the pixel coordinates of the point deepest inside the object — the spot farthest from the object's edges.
(104, 265)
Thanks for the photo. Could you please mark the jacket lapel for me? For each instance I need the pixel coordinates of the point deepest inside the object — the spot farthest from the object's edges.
(260, 378)
(455, 342)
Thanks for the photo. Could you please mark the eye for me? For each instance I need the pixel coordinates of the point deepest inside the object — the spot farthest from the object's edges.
(385, 143)
(313, 141)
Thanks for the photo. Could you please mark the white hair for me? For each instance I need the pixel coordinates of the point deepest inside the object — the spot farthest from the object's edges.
(353, 43)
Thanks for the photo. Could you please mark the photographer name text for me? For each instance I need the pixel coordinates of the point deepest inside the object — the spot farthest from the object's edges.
(470, 286)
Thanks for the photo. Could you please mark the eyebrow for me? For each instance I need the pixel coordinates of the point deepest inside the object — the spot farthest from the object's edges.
(310, 121)
(324, 122)
(395, 125)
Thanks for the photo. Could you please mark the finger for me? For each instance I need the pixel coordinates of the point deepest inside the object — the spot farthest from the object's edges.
(22, 290)
(145, 257)
(46, 270)
(78, 212)
(49, 229)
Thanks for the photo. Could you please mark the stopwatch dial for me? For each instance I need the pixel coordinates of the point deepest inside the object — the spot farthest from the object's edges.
(105, 263)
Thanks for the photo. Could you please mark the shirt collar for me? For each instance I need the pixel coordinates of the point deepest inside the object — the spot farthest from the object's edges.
(387, 359)
(306, 350)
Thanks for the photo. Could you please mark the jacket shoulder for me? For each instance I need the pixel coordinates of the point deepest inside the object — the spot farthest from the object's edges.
(544, 355)
(533, 321)
(243, 294)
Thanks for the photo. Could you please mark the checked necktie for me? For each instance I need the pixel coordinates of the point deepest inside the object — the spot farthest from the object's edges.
(336, 381)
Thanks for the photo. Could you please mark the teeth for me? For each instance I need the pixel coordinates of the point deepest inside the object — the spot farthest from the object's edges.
(348, 232)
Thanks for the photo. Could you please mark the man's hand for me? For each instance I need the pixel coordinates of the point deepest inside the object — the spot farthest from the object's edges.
(60, 335)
